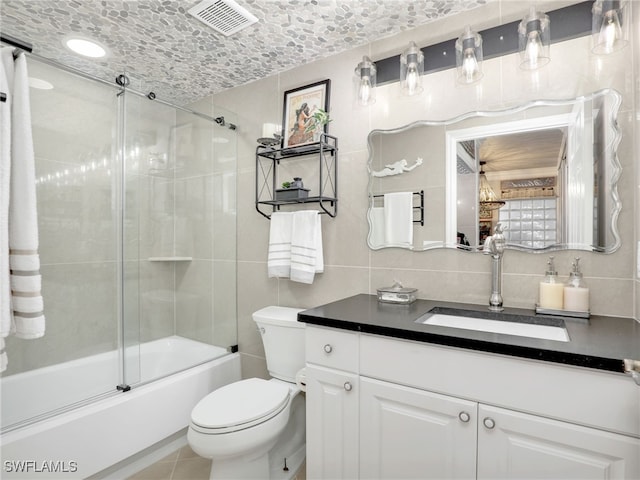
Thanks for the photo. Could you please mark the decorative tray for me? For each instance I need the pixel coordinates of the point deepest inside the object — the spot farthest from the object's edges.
(562, 313)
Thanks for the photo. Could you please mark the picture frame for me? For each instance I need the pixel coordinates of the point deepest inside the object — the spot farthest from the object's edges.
(299, 106)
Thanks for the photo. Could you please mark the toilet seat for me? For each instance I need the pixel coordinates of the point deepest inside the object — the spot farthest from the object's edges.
(239, 405)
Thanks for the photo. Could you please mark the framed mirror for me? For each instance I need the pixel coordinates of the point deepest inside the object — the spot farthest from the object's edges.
(547, 170)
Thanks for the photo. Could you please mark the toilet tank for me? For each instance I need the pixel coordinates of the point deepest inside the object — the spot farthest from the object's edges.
(283, 340)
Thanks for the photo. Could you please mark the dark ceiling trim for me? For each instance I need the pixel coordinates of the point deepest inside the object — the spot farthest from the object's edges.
(567, 23)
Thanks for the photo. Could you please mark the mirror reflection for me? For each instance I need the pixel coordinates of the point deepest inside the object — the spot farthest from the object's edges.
(546, 170)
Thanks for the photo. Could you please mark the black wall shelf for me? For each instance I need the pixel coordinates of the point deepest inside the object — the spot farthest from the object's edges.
(268, 159)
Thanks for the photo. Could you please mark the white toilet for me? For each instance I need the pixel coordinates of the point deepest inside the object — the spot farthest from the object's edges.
(255, 428)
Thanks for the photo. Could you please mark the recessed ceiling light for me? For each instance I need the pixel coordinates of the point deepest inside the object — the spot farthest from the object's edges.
(86, 47)
(39, 83)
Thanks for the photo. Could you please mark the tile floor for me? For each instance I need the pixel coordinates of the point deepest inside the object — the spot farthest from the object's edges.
(184, 464)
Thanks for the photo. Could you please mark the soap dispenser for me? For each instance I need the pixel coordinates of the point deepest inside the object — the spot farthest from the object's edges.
(551, 289)
(576, 292)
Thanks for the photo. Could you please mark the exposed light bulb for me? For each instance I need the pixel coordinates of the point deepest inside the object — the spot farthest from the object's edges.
(364, 92)
(469, 56)
(366, 82)
(470, 66)
(610, 33)
(413, 78)
(411, 68)
(533, 49)
(534, 40)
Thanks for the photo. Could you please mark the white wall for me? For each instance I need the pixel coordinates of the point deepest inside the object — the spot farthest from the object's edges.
(350, 267)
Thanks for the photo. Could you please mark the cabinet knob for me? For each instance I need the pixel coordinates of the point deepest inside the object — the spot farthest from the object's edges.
(328, 348)
(347, 386)
(464, 417)
(489, 422)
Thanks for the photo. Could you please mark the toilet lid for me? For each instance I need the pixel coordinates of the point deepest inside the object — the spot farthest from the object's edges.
(240, 403)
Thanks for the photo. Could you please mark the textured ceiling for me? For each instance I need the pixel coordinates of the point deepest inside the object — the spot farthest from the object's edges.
(164, 49)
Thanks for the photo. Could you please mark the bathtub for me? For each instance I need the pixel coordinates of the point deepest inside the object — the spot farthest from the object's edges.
(87, 439)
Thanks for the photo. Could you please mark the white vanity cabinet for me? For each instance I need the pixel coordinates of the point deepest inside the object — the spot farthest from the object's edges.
(411, 433)
(332, 404)
(418, 410)
(516, 445)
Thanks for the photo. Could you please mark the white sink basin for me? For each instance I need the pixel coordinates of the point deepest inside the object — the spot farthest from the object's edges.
(531, 330)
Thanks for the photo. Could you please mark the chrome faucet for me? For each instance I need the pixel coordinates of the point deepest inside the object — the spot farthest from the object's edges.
(494, 246)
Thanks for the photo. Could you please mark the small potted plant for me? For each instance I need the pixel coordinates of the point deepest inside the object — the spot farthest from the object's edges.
(317, 122)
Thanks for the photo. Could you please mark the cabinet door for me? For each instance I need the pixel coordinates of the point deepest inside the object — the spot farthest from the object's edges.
(514, 445)
(332, 424)
(411, 433)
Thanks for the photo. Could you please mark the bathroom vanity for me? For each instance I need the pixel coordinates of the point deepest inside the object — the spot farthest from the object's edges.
(389, 396)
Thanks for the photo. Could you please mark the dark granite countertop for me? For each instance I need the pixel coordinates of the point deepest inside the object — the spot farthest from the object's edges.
(599, 342)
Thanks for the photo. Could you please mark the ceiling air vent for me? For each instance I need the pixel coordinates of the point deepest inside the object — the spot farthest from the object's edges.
(225, 16)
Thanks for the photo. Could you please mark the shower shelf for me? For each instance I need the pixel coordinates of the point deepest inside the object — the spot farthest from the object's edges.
(170, 259)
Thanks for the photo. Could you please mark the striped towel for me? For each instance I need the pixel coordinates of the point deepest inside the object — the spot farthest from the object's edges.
(307, 257)
(6, 85)
(28, 306)
(24, 261)
(279, 257)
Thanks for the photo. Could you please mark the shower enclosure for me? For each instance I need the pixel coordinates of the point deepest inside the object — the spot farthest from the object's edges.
(136, 205)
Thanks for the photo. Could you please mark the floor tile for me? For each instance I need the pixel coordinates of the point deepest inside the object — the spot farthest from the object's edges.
(192, 469)
(157, 471)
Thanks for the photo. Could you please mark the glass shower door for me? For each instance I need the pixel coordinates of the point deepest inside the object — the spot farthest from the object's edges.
(179, 289)
(74, 125)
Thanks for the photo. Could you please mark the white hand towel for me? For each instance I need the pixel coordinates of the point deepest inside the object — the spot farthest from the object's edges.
(6, 82)
(279, 256)
(398, 218)
(307, 256)
(376, 221)
(24, 260)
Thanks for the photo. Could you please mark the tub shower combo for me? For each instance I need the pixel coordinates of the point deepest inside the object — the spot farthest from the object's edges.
(136, 214)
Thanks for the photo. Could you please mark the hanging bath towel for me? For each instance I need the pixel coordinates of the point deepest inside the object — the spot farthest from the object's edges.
(6, 82)
(279, 257)
(307, 257)
(24, 260)
(398, 219)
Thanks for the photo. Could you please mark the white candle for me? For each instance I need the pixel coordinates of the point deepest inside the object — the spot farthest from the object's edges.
(576, 299)
(270, 129)
(551, 295)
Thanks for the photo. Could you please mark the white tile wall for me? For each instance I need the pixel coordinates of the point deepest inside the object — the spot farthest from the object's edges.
(440, 274)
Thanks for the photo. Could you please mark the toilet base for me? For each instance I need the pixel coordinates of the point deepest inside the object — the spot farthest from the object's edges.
(290, 444)
(239, 469)
(294, 463)
(255, 469)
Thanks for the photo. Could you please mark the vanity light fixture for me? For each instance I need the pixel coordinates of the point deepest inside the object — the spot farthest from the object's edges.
(570, 22)
(469, 56)
(411, 70)
(533, 40)
(609, 26)
(366, 81)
